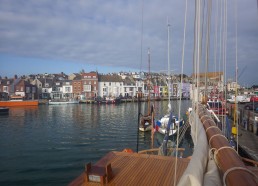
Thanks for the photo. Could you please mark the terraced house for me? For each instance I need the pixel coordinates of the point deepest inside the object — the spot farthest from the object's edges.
(110, 86)
(89, 84)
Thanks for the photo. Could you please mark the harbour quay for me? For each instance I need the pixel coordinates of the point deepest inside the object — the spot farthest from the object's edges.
(247, 129)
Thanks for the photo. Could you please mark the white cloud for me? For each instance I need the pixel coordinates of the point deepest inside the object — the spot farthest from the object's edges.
(109, 32)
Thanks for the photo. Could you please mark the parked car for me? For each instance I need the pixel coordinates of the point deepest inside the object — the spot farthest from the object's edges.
(238, 99)
(254, 99)
(251, 106)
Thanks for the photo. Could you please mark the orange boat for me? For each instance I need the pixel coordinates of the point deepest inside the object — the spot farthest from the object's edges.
(18, 101)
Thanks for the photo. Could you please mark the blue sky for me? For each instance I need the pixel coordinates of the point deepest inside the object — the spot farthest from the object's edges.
(66, 36)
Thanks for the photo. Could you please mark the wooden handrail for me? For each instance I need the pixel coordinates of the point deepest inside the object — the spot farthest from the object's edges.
(255, 163)
(226, 158)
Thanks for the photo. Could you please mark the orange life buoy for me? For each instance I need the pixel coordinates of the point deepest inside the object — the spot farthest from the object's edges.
(128, 150)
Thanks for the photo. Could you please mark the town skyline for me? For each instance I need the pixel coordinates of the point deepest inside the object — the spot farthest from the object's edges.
(106, 73)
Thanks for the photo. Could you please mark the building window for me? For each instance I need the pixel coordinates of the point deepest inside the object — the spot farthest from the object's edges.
(87, 88)
(94, 82)
(90, 82)
(33, 89)
(5, 88)
(27, 89)
(95, 88)
(67, 89)
(109, 84)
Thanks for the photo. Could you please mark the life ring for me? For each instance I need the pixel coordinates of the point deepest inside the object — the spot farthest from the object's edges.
(128, 150)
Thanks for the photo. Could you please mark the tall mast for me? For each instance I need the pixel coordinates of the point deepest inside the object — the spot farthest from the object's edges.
(149, 81)
(169, 104)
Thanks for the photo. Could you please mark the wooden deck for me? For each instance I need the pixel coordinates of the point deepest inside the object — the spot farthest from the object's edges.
(139, 169)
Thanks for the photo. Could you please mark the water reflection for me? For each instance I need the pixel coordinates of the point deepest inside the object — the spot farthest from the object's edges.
(55, 141)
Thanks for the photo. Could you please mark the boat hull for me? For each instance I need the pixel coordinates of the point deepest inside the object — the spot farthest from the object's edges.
(62, 102)
(161, 125)
(164, 131)
(18, 103)
(145, 129)
(4, 110)
(145, 123)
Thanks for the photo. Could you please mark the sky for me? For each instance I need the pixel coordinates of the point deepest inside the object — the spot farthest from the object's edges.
(53, 36)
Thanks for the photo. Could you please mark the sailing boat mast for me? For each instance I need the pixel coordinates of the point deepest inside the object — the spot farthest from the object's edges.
(169, 103)
(149, 111)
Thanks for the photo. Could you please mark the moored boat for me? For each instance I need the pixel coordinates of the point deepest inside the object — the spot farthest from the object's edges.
(18, 101)
(4, 110)
(162, 125)
(62, 102)
(145, 123)
(146, 120)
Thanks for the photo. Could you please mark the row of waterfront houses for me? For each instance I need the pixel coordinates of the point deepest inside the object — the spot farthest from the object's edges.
(92, 84)
(89, 85)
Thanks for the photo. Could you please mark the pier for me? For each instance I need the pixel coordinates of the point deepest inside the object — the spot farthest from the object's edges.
(247, 130)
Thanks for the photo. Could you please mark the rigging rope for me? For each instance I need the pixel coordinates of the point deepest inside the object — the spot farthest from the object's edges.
(180, 91)
(236, 68)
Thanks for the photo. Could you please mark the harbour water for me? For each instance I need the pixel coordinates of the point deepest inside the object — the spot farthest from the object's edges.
(50, 144)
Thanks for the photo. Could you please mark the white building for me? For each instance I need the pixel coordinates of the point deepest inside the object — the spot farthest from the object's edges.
(232, 86)
(67, 89)
(110, 86)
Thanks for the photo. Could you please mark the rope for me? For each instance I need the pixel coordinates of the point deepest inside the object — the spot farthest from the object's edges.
(236, 69)
(210, 128)
(182, 70)
(226, 147)
(237, 168)
(210, 153)
(216, 151)
(204, 116)
(209, 119)
(215, 135)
